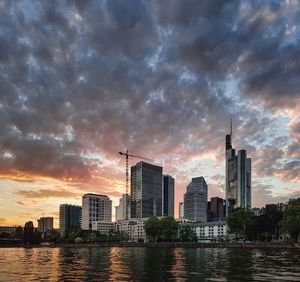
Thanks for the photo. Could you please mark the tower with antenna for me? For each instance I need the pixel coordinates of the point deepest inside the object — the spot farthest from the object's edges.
(238, 176)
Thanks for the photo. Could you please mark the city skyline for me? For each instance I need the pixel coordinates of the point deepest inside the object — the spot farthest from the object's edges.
(82, 81)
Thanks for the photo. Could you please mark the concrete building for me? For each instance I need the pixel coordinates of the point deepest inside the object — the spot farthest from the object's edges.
(45, 224)
(168, 195)
(8, 229)
(195, 200)
(104, 227)
(210, 231)
(181, 210)
(69, 218)
(238, 177)
(146, 190)
(95, 208)
(123, 209)
(134, 228)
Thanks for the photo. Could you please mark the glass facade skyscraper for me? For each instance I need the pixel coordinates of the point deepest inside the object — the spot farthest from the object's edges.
(69, 218)
(195, 200)
(146, 190)
(168, 195)
(238, 178)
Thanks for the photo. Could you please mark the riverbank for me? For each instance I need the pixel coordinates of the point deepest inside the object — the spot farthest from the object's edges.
(295, 247)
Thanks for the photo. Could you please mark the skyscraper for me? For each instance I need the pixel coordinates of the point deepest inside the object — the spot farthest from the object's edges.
(195, 200)
(123, 209)
(45, 224)
(238, 177)
(217, 207)
(168, 195)
(181, 210)
(69, 218)
(95, 208)
(146, 190)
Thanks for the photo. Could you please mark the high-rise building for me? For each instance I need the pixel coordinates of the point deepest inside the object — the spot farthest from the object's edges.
(146, 190)
(95, 208)
(45, 224)
(181, 210)
(195, 200)
(168, 195)
(123, 209)
(69, 218)
(217, 207)
(238, 177)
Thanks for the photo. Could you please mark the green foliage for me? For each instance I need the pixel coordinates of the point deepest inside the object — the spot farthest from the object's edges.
(53, 236)
(165, 229)
(169, 228)
(152, 228)
(291, 218)
(186, 234)
(238, 221)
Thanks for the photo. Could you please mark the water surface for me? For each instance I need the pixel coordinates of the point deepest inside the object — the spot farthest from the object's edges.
(147, 264)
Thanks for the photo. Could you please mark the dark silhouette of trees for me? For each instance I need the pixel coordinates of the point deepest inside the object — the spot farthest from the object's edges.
(291, 219)
(30, 235)
(187, 234)
(165, 229)
(239, 221)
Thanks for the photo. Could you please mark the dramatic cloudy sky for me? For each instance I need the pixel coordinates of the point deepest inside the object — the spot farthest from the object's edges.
(82, 80)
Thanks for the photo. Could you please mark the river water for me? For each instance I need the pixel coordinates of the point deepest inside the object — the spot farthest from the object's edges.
(147, 264)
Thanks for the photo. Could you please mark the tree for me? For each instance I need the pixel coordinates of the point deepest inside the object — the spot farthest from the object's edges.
(169, 228)
(152, 228)
(53, 236)
(186, 234)
(19, 234)
(238, 221)
(291, 219)
(29, 233)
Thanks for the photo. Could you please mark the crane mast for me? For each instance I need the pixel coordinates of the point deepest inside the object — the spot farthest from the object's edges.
(127, 155)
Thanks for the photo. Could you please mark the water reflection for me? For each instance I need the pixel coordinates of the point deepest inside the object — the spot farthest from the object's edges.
(147, 264)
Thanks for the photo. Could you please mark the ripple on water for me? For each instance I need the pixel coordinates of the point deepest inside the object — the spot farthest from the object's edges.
(152, 264)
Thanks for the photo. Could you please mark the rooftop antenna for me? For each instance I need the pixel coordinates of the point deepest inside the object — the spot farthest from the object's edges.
(231, 126)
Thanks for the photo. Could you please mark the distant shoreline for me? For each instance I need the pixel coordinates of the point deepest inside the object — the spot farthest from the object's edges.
(294, 247)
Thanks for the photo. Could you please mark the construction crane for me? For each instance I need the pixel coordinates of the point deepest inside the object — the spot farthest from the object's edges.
(127, 155)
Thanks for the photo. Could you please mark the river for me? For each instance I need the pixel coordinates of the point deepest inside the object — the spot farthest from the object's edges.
(148, 264)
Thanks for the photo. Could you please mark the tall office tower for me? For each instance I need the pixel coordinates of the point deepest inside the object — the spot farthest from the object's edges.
(238, 177)
(69, 218)
(168, 195)
(181, 210)
(217, 207)
(95, 208)
(146, 190)
(195, 200)
(123, 209)
(45, 224)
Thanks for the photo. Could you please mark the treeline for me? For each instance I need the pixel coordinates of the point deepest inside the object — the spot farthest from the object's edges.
(167, 229)
(273, 221)
(30, 236)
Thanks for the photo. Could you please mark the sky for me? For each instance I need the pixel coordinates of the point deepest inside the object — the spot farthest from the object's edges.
(82, 80)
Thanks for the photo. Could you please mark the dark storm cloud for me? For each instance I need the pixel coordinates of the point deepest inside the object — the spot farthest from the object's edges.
(81, 77)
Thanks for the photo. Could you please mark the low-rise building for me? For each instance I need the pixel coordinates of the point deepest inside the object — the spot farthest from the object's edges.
(210, 230)
(134, 228)
(8, 229)
(104, 227)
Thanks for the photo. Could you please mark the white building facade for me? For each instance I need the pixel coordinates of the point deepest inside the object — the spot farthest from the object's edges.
(211, 231)
(95, 208)
(104, 227)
